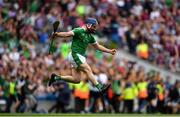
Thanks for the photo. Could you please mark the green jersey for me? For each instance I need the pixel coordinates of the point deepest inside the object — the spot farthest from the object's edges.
(80, 41)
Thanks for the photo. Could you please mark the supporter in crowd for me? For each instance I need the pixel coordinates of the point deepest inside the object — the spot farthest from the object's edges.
(62, 98)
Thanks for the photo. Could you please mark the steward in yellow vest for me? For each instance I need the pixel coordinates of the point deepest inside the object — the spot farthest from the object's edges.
(142, 95)
(128, 95)
(81, 94)
(142, 50)
(142, 89)
(160, 95)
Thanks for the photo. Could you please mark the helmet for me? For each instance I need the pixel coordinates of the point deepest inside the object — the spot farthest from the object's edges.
(91, 21)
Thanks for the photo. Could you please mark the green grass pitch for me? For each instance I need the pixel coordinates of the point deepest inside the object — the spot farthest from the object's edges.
(84, 115)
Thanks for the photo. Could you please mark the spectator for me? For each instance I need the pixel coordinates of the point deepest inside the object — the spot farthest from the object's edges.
(21, 96)
(116, 90)
(160, 94)
(63, 98)
(142, 50)
(173, 102)
(131, 38)
(142, 94)
(95, 103)
(12, 94)
(2, 100)
(128, 97)
(81, 94)
(152, 93)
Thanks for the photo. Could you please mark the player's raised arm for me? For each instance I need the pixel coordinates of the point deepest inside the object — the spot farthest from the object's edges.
(63, 34)
(104, 49)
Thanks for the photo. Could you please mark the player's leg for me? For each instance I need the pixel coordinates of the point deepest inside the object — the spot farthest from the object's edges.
(75, 78)
(78, 63)
(83, 66)
(86, 69)
(75, 61)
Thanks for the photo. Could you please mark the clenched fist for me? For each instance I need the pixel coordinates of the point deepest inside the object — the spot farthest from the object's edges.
(113, 51)
(55, 34)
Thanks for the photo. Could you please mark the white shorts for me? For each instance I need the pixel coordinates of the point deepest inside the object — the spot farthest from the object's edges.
(74, 62)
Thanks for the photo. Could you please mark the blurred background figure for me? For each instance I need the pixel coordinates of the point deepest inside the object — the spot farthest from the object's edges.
(62, 93)
(81, 95)
(173, 100)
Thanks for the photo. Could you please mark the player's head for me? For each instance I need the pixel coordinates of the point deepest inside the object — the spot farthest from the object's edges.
(91, 25)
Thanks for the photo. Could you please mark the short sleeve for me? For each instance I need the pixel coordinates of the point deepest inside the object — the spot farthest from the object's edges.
(92, 41)
(76, 31)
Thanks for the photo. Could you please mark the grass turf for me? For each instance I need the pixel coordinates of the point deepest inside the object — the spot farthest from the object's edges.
(83, 115)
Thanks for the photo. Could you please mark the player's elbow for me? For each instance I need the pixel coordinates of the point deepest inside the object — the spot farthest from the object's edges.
(69, 34)
(97, 46)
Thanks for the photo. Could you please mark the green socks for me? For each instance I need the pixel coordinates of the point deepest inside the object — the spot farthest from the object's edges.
(98, 86)
(57, 78)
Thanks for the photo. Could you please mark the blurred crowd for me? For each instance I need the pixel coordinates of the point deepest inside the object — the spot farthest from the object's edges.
(147, 28)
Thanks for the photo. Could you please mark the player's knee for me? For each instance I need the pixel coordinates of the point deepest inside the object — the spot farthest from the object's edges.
(87, 70)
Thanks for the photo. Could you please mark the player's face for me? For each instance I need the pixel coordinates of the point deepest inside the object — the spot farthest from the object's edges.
(92, 28)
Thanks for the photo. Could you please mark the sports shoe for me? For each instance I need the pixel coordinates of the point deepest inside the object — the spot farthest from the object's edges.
(104, 88)
(52, 79)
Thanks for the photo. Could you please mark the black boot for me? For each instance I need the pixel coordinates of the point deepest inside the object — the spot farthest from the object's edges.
(104, 88)
(52, 79)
